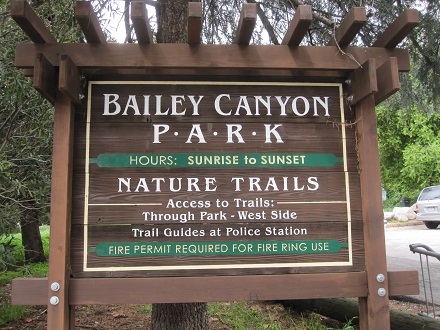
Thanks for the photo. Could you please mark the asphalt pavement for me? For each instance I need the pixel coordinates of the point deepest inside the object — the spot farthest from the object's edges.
(399, 256)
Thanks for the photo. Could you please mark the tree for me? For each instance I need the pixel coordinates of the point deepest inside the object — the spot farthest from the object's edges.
(26, 131)
(409, 149)
(172, 17)
(25, 135)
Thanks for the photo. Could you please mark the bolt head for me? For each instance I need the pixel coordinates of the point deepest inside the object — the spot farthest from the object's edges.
(380, 278)
(382, 292)
(54, 300)
(55, 286)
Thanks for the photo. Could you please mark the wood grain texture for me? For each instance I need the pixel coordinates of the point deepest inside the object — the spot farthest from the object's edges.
(298, 26)
(374, 232)
(60, 213)
(323, 212)
(388, 80)
(363, 82)
(32, 291)
(69, 79)
(399, 29)
(44, 78)
(141, 24)
(88, 21)
(246, 24)
(30, 23)
(235, 59)
(349, 27)
(194, 23)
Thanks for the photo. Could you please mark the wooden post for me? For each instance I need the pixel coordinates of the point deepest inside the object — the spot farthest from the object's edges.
(58, 311)
(374, 309)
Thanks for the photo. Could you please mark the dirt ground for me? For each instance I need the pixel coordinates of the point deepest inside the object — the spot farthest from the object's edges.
(130, 317)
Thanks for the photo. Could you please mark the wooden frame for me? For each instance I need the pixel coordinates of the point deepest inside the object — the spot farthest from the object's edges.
(381, 65)
(238, 288)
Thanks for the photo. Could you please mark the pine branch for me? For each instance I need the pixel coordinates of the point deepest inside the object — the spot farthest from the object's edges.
(269, 28)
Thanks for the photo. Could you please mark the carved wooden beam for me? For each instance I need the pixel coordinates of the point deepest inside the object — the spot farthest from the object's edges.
(194, 22)
(141, 24)
(30, 23)
(69, 79)
(44, 77)
(248, 18)
(399, 29)
(349, 27)
(88, 21)
(207, 57)
(387, 79)
(298, 26)
(363, 82)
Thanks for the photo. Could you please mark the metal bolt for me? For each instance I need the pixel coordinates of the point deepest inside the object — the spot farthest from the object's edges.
(348, 81)
(380, 278)
(350, 99)
(381, 292)
(55, 286)
(54, 300)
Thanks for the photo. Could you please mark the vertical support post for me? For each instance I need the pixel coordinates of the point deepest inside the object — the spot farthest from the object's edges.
(59, 314)
(376, 304)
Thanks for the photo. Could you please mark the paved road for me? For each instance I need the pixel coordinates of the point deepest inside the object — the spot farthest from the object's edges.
(399, 257)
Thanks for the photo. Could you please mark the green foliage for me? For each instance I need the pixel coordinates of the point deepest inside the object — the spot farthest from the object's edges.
(9, 313)
(16, 268)
(31, 270)
(409, 143)
(26, 120)
(243, 316)
(25, 135)
(12, 253)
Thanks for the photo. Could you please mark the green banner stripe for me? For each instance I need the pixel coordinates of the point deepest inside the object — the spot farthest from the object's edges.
(173, 249)
(216, 160)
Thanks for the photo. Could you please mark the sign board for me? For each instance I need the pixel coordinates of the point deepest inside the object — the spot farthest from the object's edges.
(171, 183)
(216, 176)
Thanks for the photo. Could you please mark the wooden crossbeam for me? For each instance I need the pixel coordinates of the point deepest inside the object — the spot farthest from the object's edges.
(298, 26)
(194, 23)
(44, 77)
(30, 23)
(399, 29)
(363, 82)
(88, 21)
(246, 25)
(69, 79)
(207, 57)
(141, 24)
(349, 27)
(387, 79)
(33, 291)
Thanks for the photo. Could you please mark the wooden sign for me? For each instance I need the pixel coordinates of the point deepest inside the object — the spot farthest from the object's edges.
(215, 176)
(161, 186)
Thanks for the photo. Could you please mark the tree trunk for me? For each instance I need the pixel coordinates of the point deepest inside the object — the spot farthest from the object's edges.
(179, 316)
(30, 235)
(172, 17)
